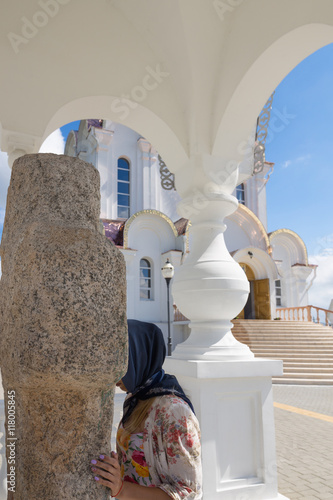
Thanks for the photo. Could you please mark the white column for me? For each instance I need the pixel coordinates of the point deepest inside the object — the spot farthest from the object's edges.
(104, 139)
(300, 275)
(230, 389)
(210, 288)
(148, 187)
(17, 144)
(137, 188)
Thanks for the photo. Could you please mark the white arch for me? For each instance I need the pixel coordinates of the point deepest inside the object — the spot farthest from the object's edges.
(260, 80)
(260, 262)
(141, 119)
(145, 217)
(292, 244)
(245, 220)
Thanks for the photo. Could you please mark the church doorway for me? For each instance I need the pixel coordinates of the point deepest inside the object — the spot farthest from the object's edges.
(258, 302)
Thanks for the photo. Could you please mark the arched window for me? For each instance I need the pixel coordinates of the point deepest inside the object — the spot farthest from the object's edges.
(146, 289)
(240, 193)
(123, 189)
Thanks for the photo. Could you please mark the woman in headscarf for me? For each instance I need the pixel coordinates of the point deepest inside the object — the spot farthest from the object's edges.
(158, 439)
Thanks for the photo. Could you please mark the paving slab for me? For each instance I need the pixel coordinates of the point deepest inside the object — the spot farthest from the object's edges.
(304, 443)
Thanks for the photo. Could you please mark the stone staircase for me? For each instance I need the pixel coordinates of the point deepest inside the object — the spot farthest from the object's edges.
(306, 348)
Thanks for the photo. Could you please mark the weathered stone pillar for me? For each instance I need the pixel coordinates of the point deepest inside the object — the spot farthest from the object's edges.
(63, 327)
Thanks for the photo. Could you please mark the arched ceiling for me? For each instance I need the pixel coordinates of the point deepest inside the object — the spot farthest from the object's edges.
(196, 75)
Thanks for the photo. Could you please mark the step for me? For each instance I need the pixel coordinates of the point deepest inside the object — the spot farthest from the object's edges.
(290, 356)
(295, 352)
(284, 331)
(253, 322)
(279, 334)
(301, 347)
(290, 359)
(305, 348)
(314, 370)
(271, 328)
(291, 352)
(328, 331)
(301, 364)
(287, 341)
(307, 335)
(242, 322)
(301, 381)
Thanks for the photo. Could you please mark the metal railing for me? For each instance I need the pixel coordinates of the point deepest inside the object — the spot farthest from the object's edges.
(302, 313)
(305, 313)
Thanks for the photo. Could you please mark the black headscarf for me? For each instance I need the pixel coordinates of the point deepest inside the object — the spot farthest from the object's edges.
(145, 377)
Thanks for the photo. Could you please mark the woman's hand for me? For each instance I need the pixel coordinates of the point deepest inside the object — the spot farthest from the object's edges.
(107, 472)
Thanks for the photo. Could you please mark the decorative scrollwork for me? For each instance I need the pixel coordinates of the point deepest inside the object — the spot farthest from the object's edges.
(167, 178)
(259, 157)
(261, 136)
(263, 121)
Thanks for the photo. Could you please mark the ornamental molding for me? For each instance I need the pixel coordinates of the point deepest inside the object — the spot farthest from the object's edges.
(147, 212)
(261, 263)
(247, 211)
(295, 235)
(144, 145)
(261, 136)
(103, 136)
(17, 140)
(17, 144)
(167, 178)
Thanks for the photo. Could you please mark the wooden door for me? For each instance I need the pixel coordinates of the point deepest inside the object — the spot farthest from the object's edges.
(248, 311)
(262, 299)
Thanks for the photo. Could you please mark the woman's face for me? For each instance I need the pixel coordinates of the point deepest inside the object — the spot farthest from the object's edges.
(121, 386)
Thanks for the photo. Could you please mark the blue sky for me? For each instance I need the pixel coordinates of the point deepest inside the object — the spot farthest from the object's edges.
(299, 192)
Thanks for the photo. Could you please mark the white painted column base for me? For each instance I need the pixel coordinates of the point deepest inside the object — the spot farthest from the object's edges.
(234, 404)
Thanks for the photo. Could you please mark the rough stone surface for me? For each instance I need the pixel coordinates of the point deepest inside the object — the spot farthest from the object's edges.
(63, 329)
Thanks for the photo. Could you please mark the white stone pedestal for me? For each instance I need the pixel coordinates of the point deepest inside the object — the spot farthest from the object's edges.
(234, 404)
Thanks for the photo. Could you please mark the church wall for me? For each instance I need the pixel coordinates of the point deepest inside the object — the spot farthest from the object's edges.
(121, 142)
(255, 196)
(125, 145)
(168, 202)
(261, 201)
(235, 236)
(151, 237)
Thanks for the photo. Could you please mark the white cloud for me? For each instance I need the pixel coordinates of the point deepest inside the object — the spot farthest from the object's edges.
(286, 163)
(54, 143)
(321, 292)
(299, 159)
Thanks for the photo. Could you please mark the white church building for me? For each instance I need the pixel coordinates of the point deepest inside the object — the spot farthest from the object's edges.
(139, 215)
